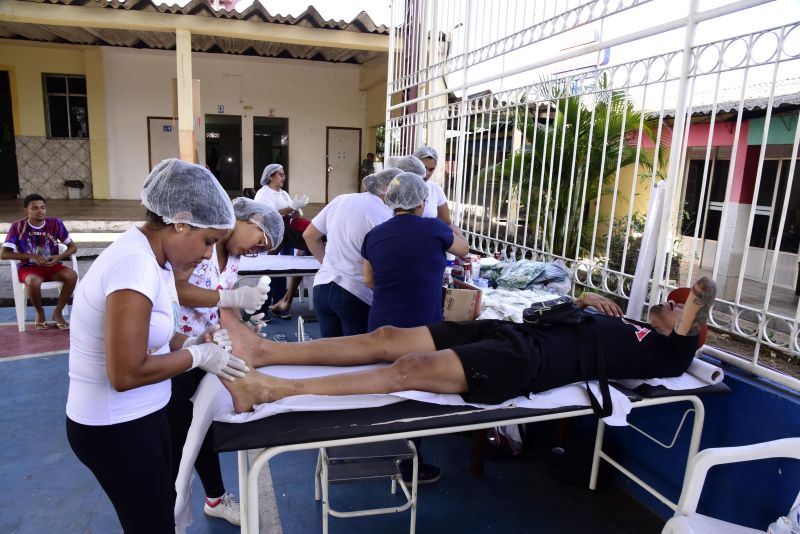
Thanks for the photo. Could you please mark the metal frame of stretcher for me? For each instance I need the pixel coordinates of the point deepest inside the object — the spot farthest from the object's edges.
(409, 419)
(247, 274)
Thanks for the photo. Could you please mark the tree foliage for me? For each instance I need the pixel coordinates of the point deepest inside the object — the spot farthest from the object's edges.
(572, 148)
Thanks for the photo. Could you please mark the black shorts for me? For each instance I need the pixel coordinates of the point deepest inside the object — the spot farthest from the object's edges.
(500, 359)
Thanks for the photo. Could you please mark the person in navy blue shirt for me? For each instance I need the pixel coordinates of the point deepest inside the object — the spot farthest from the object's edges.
(404, 258)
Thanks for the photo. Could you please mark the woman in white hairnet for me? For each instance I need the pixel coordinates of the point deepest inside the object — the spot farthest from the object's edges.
(404, 258)
(258, 228)
(341, 299)
(272, 194)
(436, 204)
(124, 349)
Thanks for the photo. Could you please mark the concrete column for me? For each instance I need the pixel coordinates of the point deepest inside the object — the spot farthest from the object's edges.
(183, 55)
(732, 240)
(248, 178)
(98, 133)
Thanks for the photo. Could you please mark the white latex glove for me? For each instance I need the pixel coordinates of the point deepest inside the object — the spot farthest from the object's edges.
(299, 202)
(213, 359)
(214, 332)
(256, 323)
(245, 297)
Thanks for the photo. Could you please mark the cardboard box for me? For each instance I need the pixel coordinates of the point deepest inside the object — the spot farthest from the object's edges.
(462, 303)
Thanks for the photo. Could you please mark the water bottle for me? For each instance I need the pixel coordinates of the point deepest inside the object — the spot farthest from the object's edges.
(263, 285)
(780, 526)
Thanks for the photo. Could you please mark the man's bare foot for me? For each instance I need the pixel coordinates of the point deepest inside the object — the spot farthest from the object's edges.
(243, 340)
(255, 388)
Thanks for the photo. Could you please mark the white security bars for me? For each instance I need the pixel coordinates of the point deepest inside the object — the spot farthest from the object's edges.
(555, 119)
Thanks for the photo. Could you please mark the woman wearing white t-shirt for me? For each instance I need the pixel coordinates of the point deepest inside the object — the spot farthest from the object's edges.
(436, 203)
(341, 299)
(273, 195)
(210, 286)
(124, 349)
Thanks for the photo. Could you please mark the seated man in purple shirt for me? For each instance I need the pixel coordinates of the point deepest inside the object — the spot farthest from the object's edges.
(486, 362)
(34, 242)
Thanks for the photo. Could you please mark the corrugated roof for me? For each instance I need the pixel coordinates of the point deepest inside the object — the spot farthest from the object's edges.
(786, 94)
(256, 12)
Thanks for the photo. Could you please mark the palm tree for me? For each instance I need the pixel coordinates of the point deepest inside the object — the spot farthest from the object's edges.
(572, 147)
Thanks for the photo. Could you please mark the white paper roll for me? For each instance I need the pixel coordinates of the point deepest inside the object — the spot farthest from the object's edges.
(705, 371)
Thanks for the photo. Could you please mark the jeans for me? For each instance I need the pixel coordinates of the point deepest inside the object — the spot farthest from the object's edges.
(340, 313)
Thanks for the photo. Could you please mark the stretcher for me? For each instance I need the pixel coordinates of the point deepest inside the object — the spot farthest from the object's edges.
(251, 268)
(294, 431)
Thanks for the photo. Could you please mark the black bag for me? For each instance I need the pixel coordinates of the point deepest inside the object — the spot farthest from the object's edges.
(558, 310)
(563, 310)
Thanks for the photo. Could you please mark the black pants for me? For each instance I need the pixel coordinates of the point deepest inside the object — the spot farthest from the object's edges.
(179, 414)
(131, 461)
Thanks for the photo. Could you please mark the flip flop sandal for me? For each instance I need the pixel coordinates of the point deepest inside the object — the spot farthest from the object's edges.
(282, 314)
(41, 326)
(62, 326)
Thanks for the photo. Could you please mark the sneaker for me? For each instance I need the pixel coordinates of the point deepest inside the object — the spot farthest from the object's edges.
(426, 474)
(227, 508)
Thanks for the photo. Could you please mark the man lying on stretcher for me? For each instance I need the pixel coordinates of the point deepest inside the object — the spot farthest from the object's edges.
(486, 362)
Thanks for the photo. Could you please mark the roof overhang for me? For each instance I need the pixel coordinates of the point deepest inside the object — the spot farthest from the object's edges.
(144, 25)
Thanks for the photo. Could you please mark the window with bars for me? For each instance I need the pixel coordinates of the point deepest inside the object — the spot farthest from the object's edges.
(66, 110)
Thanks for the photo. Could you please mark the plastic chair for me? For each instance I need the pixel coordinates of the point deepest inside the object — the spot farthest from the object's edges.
(686, 518)
(21, 290)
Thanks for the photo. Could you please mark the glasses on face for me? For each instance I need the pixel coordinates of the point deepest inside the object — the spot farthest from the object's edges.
(258, 249)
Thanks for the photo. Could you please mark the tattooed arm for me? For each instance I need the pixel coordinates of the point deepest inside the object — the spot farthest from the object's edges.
(696, 309)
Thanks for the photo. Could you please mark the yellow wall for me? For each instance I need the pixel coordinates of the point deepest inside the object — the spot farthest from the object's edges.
(641, 196)
(372, 80)
(26, 62)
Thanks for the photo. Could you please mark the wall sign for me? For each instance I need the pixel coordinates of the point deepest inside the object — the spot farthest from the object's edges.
(220, 108)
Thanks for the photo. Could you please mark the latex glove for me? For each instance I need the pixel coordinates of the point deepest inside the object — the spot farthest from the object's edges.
(245, 297)
(299, 202)
(213, 359)
(213, 332)
(256, 322)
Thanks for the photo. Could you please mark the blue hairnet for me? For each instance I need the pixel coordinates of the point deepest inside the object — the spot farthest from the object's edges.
(427, 152)
(181, 192)
(269, 170)
(265, 217)
(378, 182)
(406, 191)
(407, 164)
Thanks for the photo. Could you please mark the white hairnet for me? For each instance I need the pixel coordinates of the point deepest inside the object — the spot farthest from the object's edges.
(406, 191)
(378, 182)
(427, 152)
(181, 192)
(265, 217)
(269, 170)
(407, 164)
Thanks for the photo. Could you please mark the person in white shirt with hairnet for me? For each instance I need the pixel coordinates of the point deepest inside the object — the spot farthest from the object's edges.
(124, 347)
(341, 299)
(272, 194)
(212, 285)
(436, 204)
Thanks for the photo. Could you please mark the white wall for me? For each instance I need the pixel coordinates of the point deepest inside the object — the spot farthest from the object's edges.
(312, 95)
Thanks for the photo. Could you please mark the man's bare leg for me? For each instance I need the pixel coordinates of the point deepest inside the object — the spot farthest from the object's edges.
(34, 283)
(386, 344)
(69, 278)
(697, 307)
(437, 372)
